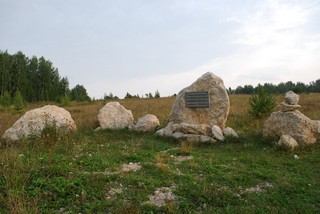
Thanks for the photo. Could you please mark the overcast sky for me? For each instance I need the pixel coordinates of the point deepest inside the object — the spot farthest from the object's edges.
(140, 46)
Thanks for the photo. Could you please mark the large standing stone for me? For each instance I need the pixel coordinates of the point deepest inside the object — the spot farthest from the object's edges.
(114, 116)
(293, 123)
(34, 121)
(219, 107)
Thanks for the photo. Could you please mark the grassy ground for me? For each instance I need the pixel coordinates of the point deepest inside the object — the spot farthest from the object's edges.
(85, 172)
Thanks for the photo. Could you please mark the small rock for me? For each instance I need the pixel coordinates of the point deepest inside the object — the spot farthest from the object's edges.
(291, 98)
(167, 131)
(217, 133)
(230, 132)
(287, 142)
(296, 157)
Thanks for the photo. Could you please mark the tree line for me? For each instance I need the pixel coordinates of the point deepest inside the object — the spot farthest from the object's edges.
(299, 87)
(35, 79)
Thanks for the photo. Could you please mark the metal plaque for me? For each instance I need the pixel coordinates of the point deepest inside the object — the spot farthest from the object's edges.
(197, 99)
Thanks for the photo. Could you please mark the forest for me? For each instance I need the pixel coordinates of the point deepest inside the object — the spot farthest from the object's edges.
(281, 88)
(35, 79)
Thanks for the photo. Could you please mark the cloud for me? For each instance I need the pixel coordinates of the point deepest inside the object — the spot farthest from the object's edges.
(272, 45)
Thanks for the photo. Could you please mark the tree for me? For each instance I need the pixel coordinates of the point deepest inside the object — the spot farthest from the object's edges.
(79, 93)
(157, 94)
(5, 99)
(262, 103)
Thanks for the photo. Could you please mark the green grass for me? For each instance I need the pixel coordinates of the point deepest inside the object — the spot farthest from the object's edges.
(76, 173)
(81, 172)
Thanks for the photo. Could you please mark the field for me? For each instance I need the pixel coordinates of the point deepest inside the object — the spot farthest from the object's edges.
(94, 172)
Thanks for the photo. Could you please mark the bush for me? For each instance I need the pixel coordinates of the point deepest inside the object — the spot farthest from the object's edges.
(261, 104)
(65, 100)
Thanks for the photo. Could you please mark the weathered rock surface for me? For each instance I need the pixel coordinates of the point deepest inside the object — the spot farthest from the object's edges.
(114, 116)
(146, 123)
(287, 142)
(34, 121)
(291, 98)
(218, 111)
(198, 129)
(293, 123)
(194, 138)
(217, 133)
(229, 132)
(167, 131)
(286, 107)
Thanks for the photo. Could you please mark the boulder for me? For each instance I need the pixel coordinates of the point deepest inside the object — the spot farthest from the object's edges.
(146, 123)
(287, 142)
(34, 121)
(114, 116)
(197, 129)
(291, 98)
(217, 133)
(219, 105)
(229, 132)
(293, 123)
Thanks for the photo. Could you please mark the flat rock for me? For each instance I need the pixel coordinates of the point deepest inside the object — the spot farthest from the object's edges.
(114, 116)
(33, 122)
(199, 129)
(286, 107)
(217, 133)
(218, 110)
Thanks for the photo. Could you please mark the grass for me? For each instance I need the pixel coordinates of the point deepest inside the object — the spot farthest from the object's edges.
(81, 172)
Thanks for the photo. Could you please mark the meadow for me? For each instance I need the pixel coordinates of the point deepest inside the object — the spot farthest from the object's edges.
(85, 172)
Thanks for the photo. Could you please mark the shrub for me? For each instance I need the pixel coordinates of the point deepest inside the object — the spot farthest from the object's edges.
(261, 104)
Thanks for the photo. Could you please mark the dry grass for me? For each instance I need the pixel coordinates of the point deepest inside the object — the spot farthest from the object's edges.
(85, 114)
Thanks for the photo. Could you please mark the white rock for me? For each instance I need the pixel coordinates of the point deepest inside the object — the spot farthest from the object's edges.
(34, 121)
(296, 157)
(291, 98)
(146, 123)
(114, 116)
(217, 133)
(218, 111)
(229, 132)
(287, 142)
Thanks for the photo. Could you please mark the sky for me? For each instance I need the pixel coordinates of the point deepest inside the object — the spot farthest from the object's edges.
(140, 46)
